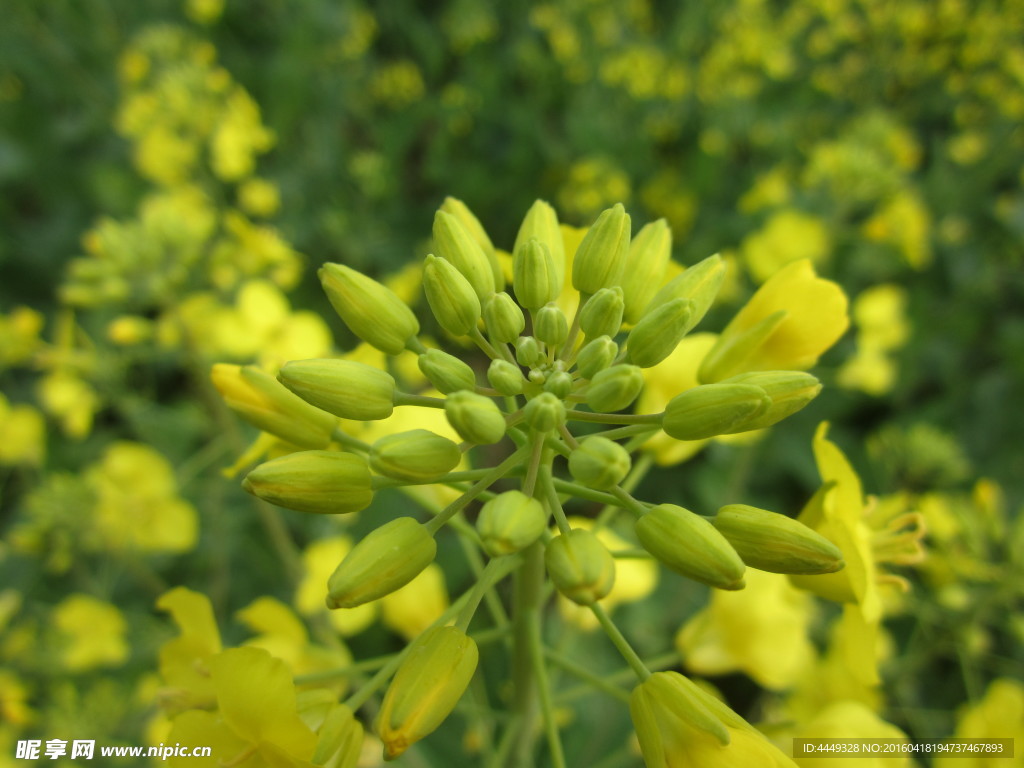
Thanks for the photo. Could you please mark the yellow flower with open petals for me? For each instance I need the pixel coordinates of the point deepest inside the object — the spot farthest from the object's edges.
(999, 715)
(137, 504)
(283, 635)
(185, 660)
(760, 630)
(22, 434)
(93, 633)
(789, 235)
(256, 722)
(787, 325)
(851, 720)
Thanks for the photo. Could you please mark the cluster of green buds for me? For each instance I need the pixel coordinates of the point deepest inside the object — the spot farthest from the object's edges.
(568, 343)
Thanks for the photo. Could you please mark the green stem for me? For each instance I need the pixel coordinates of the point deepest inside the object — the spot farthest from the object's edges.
(495, 571)
(484, 344)
(628, 502)
(536, 452)
(529, 585)
(577, 670)
(622, 676)
(614, 418)
(620, 642)
(570, 440)
(540, 673)
(575, 489)
(413, 344)
(554, 504)
(628, 431)
(574, 330)
(631, 554)
(433, 526)
(452, 477)
(425, 401)
(340, 436)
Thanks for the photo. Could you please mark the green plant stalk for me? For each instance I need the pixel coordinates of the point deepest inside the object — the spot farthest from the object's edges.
(577, 670)
(620, 642)
(614, 418)
(528, 592)
(479, 487)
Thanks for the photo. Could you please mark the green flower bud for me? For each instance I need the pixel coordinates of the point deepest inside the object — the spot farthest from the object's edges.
(476, 418)
(789, 391)
(510, 522)
(533, 275)
(506, 377)
(672, 716)
(268, 405)
(429, 683)
(551, 327)
(345, 388)
(601, 257)
(776, 543)
(649, 254)
(602, 314)
(545, 412)
(599, 463)
(371, 311)
(690, 545)
(713, 409)
(558, 383)
(595, 356)
(614, 388)
(454, 244)
(451, 297)
(580, 566)
(385, 560)
(699, 283)
(528, 351)
(323, 482)
(416, 456)
(503, 318)
(446, 372)
(476, 230)
(541, 222)
(340, 740)
(659, 332)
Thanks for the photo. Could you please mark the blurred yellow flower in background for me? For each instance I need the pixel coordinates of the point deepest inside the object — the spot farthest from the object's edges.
(789, 235)
(93, 633)
(319, 560)
(22, 434)
(787, 325)
(761, 630)
(998, 715)
(414, 607)
(850, 720)
(137, 502)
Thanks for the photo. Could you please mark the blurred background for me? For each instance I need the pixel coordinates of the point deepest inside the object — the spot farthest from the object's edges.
(172, 173)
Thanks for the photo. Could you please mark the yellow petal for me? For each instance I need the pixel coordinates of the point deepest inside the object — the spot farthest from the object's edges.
(256, 697)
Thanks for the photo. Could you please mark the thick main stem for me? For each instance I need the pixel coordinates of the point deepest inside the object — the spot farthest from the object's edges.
(529, 591)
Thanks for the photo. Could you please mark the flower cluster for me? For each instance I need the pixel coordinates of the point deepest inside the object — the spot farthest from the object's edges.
(589, 315)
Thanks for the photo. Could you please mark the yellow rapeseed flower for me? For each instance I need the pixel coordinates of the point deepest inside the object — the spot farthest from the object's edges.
(787, 325)
(22, 434)
(93, 633)
(789, 235)
(256, 721)
(998, 715)
(761, 630)
(137, 503)
(185, 659)
(851, 720)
